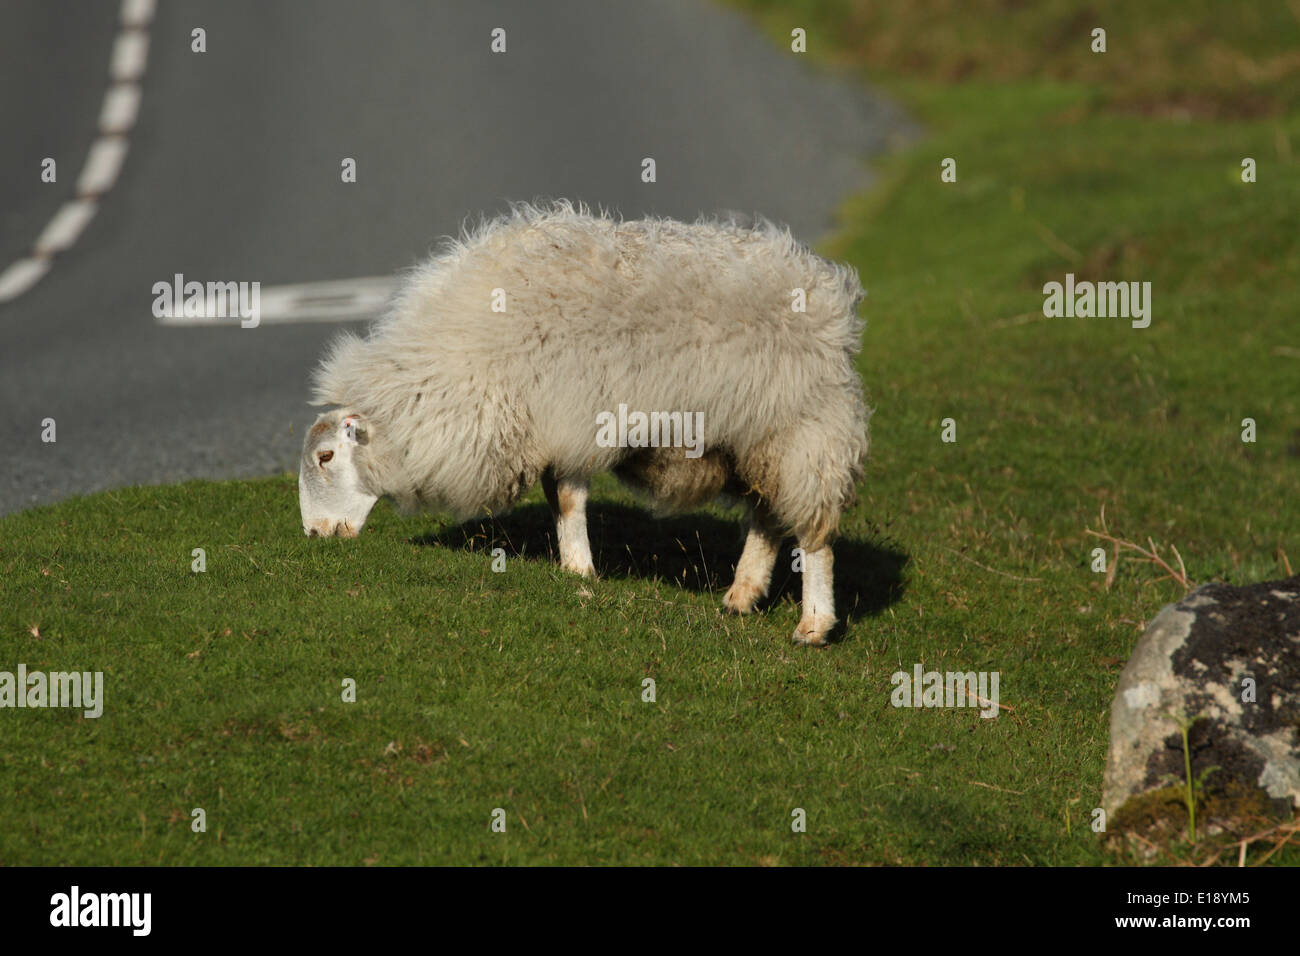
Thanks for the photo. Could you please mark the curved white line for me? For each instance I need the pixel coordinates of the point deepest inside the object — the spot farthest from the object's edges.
(107, 153)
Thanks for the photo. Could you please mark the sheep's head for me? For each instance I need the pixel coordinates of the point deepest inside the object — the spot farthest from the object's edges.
(332, 495)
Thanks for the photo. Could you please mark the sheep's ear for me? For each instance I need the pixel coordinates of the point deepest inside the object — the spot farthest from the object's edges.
(355, 431)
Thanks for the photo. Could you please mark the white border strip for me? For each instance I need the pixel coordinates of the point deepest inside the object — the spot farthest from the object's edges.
(107, 153)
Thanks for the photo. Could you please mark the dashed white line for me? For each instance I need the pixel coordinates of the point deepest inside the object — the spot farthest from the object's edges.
(21, 276)
(104, 162)
(102, 165)
(67, 224)
(130, 53)
(121, 104)
(137, 13)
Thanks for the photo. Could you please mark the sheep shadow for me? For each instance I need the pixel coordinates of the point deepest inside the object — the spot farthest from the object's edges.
(696, 551)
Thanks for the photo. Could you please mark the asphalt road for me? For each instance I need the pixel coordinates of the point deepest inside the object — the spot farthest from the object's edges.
(233, 173)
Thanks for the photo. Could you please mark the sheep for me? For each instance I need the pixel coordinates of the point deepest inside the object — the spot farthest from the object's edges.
(506, 358)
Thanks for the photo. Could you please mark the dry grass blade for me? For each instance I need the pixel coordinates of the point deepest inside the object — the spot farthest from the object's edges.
(1284, 832)
(1150, 554)
(1013, 577)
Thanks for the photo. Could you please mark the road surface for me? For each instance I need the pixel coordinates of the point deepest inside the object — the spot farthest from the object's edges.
(232, 173)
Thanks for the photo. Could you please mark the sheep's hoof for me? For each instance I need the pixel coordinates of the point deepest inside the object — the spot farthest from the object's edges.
(585, 570)
(741, 598)
(813, 631)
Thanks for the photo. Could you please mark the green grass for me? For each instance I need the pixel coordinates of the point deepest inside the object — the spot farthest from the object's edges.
(476, 690)
(522, 690)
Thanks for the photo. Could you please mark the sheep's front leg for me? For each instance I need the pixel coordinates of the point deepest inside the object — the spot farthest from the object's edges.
(754, 569)
(818, 615)
(568, 500)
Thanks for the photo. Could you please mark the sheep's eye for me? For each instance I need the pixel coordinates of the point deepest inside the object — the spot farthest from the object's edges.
(324, 456)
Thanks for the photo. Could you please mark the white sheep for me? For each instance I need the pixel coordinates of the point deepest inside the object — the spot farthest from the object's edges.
(507, 357)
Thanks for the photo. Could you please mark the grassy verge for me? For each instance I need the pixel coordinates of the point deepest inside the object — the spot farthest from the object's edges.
(523, 690)
(1124, 165)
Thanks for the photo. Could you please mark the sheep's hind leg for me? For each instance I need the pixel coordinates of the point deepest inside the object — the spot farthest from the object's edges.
(818, 615)
(568, 500)
(754, 569)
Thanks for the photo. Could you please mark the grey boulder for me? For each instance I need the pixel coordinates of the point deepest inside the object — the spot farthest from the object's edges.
(1229, 658)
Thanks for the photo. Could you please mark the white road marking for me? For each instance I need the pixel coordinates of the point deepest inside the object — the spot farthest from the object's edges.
(130, 53)
(102, 165)
(338, 300)
(65, 227)
(121, 104)
(104, 162)
(21, 276)
(137, 13)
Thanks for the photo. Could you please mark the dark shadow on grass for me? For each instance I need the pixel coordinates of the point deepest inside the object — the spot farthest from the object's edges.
(695, 551)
